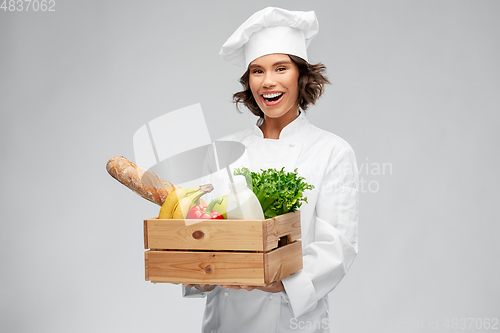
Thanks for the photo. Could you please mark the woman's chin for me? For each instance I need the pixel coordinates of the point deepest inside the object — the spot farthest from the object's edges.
(275, 113)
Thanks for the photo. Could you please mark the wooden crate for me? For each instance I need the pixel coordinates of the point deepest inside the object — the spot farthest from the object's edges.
(232, 252)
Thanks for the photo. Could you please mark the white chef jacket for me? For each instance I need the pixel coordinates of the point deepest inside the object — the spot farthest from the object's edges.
(329, 232)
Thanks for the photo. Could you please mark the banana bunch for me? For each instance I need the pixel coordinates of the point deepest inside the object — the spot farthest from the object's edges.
(180, 201)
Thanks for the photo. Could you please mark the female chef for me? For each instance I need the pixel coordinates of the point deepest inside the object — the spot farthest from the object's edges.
(279, 84)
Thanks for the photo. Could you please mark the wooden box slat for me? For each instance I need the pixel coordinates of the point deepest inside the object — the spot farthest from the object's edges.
(237, 235)
(204, 235)
(206, 267)
(283, 262)
(232, 268)
(280, 226)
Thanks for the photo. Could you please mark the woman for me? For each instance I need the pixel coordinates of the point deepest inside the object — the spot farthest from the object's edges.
(279, 84)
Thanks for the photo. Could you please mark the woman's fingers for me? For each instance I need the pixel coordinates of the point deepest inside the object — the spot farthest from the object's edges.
(201, 287)
(207, 287)
(272, 288)
(249, 288)
(230, 286)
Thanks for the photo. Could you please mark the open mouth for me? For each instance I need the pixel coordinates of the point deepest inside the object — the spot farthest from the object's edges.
(272, 98)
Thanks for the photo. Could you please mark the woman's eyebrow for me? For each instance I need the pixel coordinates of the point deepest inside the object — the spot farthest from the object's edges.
(282, 62)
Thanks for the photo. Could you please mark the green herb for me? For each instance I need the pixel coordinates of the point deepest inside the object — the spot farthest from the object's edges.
(279, 192)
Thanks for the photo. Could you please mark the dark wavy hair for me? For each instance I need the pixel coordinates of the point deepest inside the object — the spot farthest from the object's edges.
(311, 86)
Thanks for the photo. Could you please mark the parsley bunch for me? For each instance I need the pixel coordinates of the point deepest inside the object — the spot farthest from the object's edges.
(279, 192)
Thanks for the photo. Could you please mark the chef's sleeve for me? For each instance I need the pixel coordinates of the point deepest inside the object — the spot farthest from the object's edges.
(327, 259)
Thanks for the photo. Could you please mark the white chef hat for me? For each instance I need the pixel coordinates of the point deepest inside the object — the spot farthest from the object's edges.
(271, 30)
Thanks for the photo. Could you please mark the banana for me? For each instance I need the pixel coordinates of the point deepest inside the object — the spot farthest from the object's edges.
(172, 199)
(185, 204)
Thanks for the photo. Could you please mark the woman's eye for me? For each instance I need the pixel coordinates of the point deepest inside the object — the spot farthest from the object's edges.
(280, 69)
(257, 71)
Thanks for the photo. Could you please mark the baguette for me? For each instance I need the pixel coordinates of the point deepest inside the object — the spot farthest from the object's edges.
(143, 182)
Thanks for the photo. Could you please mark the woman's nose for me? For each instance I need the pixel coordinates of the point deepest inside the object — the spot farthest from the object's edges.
(269, 80)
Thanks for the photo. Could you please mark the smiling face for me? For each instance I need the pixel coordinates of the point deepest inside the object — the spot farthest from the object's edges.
(274, 81)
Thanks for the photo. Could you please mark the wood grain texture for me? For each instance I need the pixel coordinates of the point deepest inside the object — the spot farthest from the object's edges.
(146, 265)
(280, 226)
(282, 262)
(146, 246)
(272, 251)
(216, 235)
(236, 268)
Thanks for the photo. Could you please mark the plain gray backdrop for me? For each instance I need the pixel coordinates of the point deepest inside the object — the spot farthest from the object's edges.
(415, 90)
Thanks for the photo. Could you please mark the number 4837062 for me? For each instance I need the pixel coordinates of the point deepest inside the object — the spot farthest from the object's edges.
(28, 5)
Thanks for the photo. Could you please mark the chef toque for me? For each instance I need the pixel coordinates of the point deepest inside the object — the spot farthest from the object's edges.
(271, 30)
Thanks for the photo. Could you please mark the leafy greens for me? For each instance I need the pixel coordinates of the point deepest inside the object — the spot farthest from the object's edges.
(279, 192)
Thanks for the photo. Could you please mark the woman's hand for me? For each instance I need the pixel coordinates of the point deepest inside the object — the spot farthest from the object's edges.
(201, 287)
(274, 287)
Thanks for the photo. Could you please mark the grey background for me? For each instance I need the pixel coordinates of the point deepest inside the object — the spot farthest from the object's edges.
(415, 87)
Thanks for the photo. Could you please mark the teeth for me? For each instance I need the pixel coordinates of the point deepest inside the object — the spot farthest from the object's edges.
(272, 95)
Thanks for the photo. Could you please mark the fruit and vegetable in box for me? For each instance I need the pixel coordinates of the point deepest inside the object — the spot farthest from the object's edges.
(181, 250)
(277, 191)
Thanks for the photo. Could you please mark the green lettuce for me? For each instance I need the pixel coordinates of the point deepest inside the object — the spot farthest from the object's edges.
(279, 192)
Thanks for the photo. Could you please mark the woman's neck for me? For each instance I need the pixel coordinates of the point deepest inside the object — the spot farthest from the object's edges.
(271, 127)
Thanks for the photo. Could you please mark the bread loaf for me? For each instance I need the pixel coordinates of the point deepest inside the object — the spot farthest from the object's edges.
(143, 182)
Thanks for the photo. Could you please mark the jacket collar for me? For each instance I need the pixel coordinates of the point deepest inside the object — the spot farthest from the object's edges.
(288, 132)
